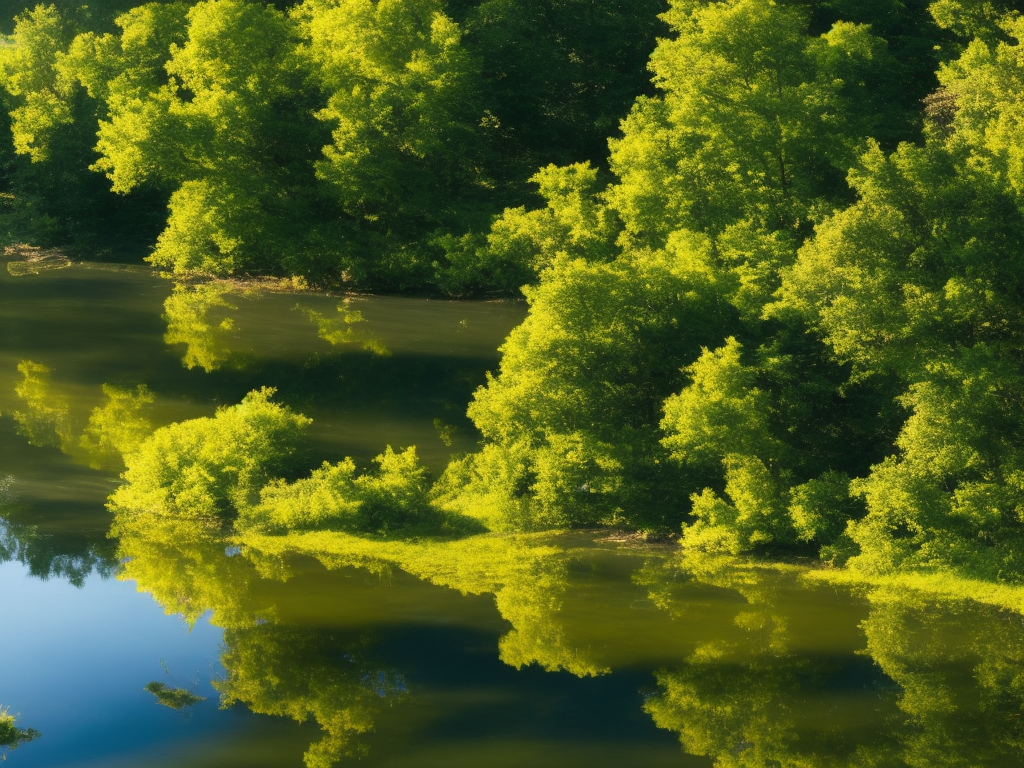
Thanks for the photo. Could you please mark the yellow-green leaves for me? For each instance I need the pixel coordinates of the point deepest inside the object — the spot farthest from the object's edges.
(574, 224)
(754, 515)
(131, 65)
(323, 501)
(399, 89)
(206, 232)
(986, 85)
(190, 110)
(969, 18)
(756, 122)
(29, 72)
(720, 413)
(920, 281)
(572, 417)
(723, 419)
(391, 500)
(210, 467)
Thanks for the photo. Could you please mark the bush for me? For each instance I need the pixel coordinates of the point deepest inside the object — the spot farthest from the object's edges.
(210, 466)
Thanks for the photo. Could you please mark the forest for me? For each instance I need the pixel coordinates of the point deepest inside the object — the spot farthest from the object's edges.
(772, 253)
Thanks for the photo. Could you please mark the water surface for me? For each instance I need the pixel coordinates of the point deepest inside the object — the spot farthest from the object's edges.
(561, 650)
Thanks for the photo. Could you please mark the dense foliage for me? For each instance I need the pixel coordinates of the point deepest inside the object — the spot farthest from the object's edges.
(794, 323)
(784, 310)
(355, 142)
(210, 467)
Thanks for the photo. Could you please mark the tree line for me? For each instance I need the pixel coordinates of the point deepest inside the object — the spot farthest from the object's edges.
(784, 310)
(361, 143)
(792, 319)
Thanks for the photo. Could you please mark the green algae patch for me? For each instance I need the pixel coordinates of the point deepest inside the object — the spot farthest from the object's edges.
(526, 574)
(942, 585)
(472, 565)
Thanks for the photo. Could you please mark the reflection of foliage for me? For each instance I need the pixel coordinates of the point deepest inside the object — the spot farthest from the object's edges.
(183, 565)
(343, 329)
(48, 556)
(175, 698)
(205, 467)
(52, 557)
(527, 578)
(291, 672)
(732, 710)
(189, 314)
(445, 432)
(45, 420)
(748, 699)
(752, 697)
(306, 674)
(960, 667)
(11, 736)
(119, 427)
(113, 429)
(764, 711)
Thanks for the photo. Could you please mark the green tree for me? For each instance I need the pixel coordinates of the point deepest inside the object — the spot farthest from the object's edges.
(983, 86)
(782, 473)
(399, 89)
(571, 421)
(721, 418)
(719, 180)
(212, 131)
(919, 281)
(973, 19)
(30, 74)
(559, 74)
(54, 198)
(756, 122)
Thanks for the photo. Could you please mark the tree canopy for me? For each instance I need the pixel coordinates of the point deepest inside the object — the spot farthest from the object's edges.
(781, 310)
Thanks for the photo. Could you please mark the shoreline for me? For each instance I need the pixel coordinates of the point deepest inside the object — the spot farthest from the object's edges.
(33, 259)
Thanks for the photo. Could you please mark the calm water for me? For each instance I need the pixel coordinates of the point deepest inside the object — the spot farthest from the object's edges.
(540, 651)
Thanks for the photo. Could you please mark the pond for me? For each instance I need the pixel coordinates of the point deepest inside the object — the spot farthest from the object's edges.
(174, 645)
